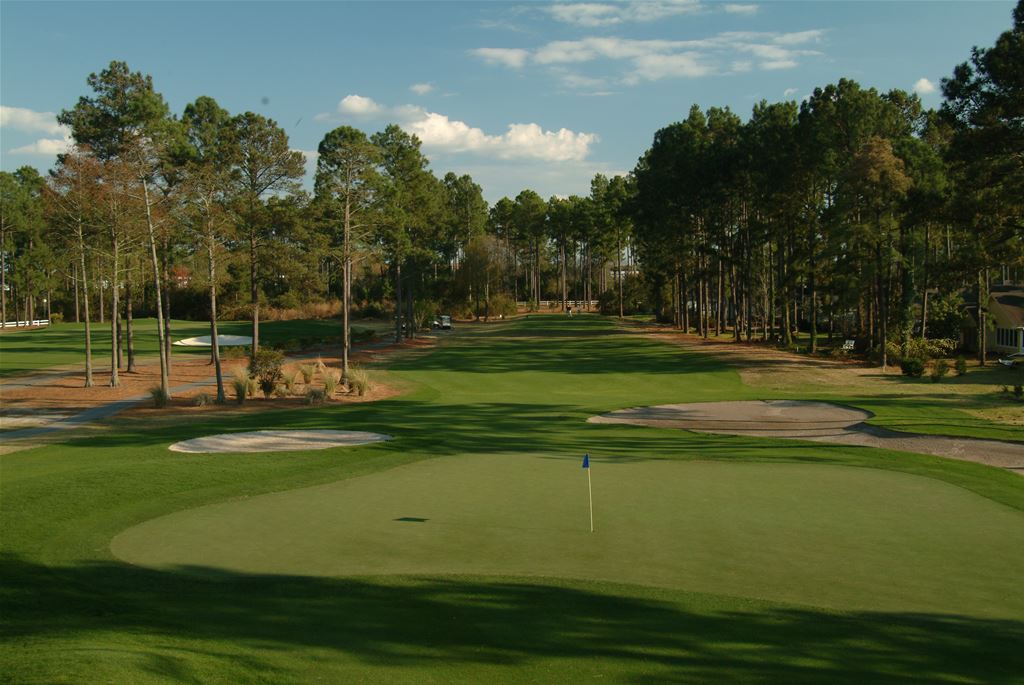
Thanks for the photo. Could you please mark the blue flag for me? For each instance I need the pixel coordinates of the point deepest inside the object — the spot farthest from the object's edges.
(586, 461)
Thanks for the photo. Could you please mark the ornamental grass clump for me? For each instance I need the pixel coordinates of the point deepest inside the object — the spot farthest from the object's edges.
(159, 397)
(940, 367)
(307, 371)
(358, 381)
(315, 396)
(288, 379)
(330, 383)
(240, 384)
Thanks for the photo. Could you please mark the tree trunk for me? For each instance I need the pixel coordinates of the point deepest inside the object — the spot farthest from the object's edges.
(883, 308)
(924, 284)
(346, 291)
(3, 286)
(982, 316)
(398, 301)
(618, 257)
(812, 314)
(165, 283)
(561, 259)
(161, 331)
(85, 301)
(129, 325)
(77, 307)
(211, 257)
(254, 297)
(102, 316)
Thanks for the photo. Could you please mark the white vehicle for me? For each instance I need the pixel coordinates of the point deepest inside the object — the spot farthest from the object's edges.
(1013, 360)
(446, 323)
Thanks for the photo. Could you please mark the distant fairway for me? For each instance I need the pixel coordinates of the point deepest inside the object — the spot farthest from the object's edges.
(716, 559)
(828, 536)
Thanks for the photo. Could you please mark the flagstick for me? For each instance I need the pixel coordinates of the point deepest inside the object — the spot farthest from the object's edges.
(590, 490)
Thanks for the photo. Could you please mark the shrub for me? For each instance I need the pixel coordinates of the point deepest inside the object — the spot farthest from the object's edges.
(56, 317)
(502, 305)
(939, 370)
(240, 384)
(159, 397)
(961, 365)
(234, 352)
(1018, 391)
(281, 391)
(330, 383)
(201, 400)
(912, 367)
(371, 310)
(315, 396)
(358, 381)
(307, 371)
(265, 367)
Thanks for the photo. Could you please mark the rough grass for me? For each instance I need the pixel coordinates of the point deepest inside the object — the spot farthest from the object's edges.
(72, 612)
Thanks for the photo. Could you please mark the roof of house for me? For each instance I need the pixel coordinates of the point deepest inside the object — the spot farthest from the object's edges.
(1010, 303)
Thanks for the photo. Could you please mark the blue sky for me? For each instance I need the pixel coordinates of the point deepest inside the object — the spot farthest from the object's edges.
(518, 95)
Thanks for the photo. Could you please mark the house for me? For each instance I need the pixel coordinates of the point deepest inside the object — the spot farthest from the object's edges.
(1005, 317)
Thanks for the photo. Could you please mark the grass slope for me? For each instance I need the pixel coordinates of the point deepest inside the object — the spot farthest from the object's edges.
(71, 612)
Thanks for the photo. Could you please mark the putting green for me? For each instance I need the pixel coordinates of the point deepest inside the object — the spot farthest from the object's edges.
(824, 535)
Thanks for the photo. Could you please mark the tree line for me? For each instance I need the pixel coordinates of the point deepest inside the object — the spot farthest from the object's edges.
(855, 213)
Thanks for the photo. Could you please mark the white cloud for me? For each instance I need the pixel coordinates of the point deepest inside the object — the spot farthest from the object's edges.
(509, 57)
(421, 88)
(776, 64)
(740, 9)
(593, 14)
(440, 132)
(789, 92)
(31, 121)
(520, 141)
(357, 104)
(680, 65)
(45, 146)
(923, 86)
(728, 52)
(800, 37)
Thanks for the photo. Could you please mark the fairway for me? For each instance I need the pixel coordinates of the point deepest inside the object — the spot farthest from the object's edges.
(828, 536)
(460, 551)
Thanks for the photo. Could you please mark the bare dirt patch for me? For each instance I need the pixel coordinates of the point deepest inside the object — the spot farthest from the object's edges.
(276, 441)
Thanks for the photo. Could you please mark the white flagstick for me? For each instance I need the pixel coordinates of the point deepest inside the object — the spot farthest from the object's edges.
(590, 490)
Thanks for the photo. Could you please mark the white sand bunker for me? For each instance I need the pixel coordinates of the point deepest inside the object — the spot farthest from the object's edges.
(222, 341)
(277, 441)
(817, 421)
(770, 418)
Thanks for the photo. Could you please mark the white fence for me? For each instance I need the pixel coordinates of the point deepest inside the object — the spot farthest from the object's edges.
(553, 304)
(17, 324)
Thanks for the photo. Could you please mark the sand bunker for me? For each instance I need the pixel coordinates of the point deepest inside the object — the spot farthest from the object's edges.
(222, 341)
(817, 421)
(277, 441)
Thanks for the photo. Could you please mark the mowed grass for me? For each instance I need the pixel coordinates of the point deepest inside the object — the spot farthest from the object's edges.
(716, 559)
(63, 344)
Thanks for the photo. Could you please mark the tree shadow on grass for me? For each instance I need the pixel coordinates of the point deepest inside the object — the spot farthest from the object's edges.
(631, 634)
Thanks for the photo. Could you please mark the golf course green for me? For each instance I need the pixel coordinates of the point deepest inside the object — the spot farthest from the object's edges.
(460, 550)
